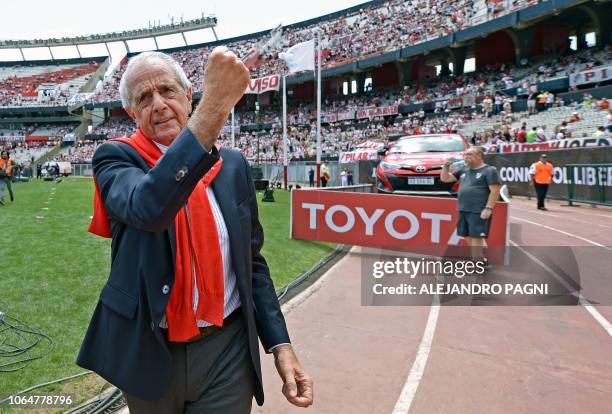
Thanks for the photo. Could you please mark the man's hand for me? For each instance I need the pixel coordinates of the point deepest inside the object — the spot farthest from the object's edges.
(225, 80)
(486, 213)
(445, 175)
(297, 385)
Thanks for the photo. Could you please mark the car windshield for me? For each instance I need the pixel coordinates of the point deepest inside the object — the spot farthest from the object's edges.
(428, 144)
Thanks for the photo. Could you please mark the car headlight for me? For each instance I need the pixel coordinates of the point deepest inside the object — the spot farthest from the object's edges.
(388, 166)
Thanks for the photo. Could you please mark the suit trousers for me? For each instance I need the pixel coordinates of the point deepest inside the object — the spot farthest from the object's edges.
(211, 375)
(541, 190)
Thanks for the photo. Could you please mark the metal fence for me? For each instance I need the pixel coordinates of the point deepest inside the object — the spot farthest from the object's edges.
(82, 170)
(298, 172)
(589, 183)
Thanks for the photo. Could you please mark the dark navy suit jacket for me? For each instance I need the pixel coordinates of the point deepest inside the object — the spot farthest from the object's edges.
(123, 343)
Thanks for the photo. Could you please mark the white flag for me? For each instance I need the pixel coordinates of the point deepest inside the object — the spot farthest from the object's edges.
(300, 57)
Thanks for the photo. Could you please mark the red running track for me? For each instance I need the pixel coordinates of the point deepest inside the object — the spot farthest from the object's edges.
(479, 359)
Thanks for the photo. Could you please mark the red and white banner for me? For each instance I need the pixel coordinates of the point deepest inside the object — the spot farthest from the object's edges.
(385, 221)
(360, 155)
(328, 118)
(373, 112)
(557, 144)
(597, 74)
(363, 152)
(265, 84)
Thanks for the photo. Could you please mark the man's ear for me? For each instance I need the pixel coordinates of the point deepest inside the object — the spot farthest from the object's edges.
(130, 112)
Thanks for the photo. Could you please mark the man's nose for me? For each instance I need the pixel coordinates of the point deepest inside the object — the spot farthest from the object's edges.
(159, 103)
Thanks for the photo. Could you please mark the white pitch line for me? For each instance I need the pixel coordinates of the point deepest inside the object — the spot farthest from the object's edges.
(402, 406)
(585, 303)
(514, 208)
(563, 232)
(582, 212)
(298, 299)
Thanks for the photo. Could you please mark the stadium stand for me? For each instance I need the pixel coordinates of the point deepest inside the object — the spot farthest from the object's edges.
(486, 104)
(46, 85)
(357, 35)
(79, 154)
(114, 128)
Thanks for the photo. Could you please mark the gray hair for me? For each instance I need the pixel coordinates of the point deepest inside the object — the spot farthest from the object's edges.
(478, 149)
(143, 58)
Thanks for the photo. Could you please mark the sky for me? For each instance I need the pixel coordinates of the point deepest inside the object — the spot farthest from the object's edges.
(46, 19)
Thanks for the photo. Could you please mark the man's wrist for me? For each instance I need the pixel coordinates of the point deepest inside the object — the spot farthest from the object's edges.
(276, 349)
(488, 208)
(206, 128)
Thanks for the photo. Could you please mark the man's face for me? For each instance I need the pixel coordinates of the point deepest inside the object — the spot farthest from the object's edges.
(543, 159)
(159, 105)
(472, 157)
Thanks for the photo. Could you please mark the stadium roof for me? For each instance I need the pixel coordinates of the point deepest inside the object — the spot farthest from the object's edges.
(151, 32)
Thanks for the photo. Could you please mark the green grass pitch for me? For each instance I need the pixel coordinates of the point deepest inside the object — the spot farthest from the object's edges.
(52, 270)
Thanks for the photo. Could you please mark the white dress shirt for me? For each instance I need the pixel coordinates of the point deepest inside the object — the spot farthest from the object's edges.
(231, 299)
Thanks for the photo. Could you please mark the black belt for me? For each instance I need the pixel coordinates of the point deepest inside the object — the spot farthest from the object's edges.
(209, 330)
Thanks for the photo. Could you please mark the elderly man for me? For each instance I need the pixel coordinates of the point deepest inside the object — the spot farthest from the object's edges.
(479, 188)
(189, 292)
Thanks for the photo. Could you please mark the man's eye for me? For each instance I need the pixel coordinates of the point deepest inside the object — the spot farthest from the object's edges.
(143, 100)
(168, 92)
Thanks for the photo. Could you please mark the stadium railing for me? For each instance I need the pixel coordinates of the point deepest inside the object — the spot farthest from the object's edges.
(599, 194)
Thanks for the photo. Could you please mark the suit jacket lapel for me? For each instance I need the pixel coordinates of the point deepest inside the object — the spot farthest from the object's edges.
(226, 198)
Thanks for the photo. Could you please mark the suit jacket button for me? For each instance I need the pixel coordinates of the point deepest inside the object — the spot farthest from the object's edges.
(165, 289)
(152, 325)
(184, 169)
(179, 175)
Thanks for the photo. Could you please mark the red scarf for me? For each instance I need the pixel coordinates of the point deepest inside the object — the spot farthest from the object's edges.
(200, 229)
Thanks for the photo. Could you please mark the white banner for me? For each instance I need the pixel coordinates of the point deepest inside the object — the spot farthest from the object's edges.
(557, 144)
(343, 116)
(227, 129)
(370, 145)
(597, 74)
(329, 117)
(265, 84)
(11, 138)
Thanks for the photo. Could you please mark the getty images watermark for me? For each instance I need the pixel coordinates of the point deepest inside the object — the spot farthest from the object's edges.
(519, 276)
(441, 273)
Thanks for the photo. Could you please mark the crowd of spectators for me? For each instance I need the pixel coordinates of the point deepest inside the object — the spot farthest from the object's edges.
(60, 84)
(116, 127)
(533, 132)
(357, 35)
(81, 153)
(267, 146)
